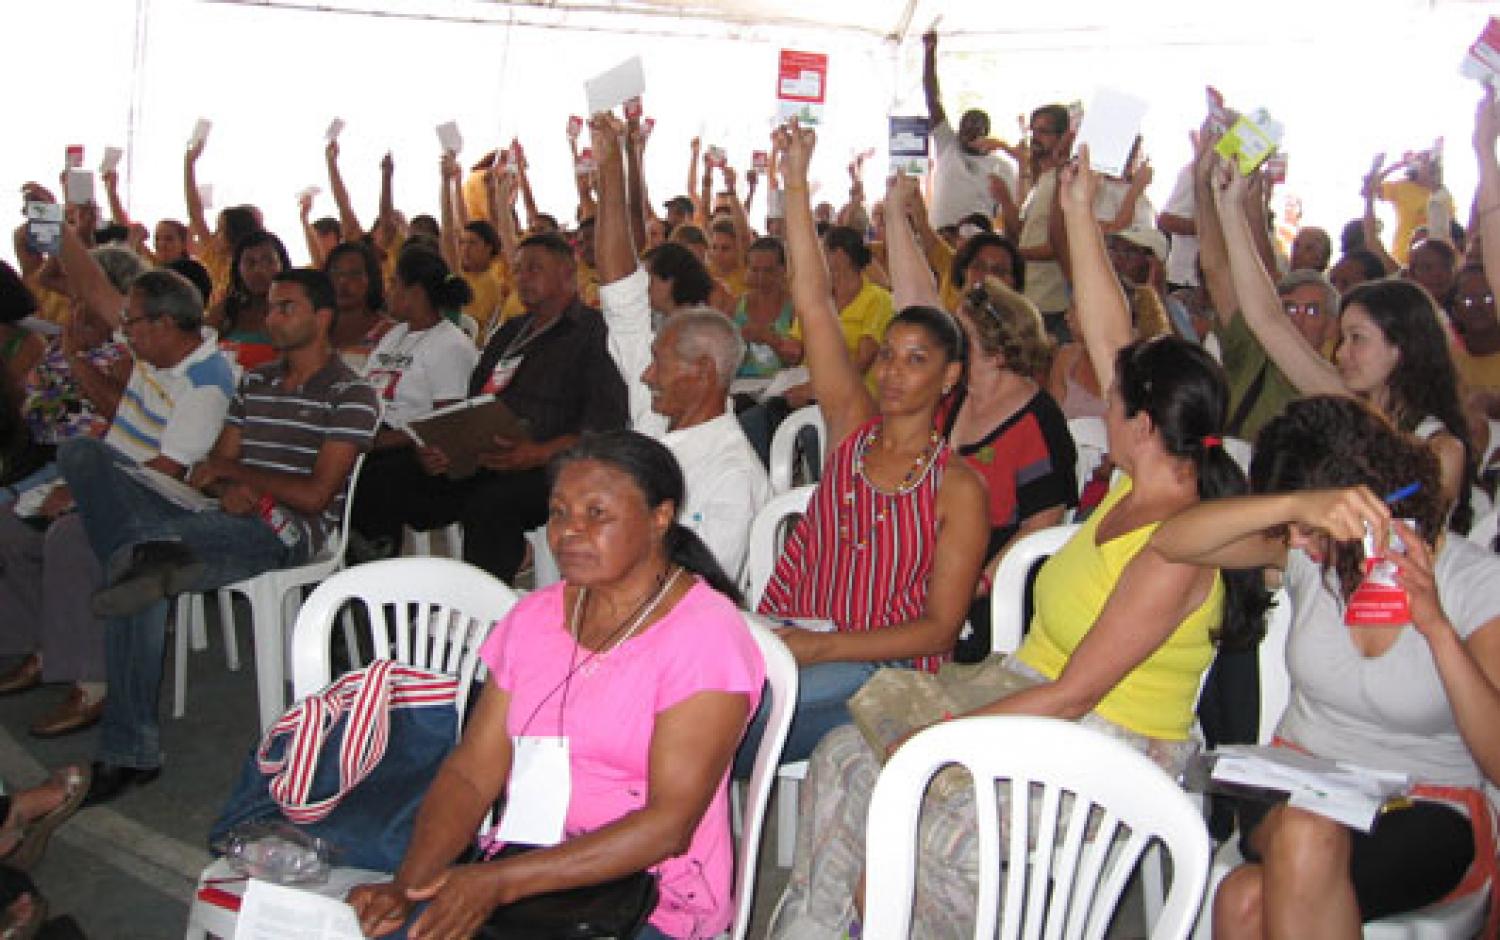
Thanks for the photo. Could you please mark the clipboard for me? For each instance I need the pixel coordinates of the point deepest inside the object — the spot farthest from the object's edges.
(466, 429)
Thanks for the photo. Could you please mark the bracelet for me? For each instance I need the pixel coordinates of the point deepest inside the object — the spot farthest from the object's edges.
(801, 188)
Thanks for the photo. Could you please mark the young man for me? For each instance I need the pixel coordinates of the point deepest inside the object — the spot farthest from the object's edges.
(279, 469)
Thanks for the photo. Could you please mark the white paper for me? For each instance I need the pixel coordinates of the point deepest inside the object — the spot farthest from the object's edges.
(200, 132)
(335, 128)
(111, 161)
(80, 187)
(1110, 126)
(786, 378)
(609, 90)
(1345, 792)
(449, 137)
(536, 799)
(276, 912)
(307, 192)
(171, 489)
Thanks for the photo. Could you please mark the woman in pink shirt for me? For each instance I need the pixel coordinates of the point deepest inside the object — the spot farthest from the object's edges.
(640, 668)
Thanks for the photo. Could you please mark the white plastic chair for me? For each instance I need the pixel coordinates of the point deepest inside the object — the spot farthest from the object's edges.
(781, 675)
(784, 451)
(189, 626)
(1008, 596)
(419, 541)
(1091, 441)
(768, 532)
(275, 597)
(1240, 451)
(1482, 532)
(1063, 876)
(429, 612)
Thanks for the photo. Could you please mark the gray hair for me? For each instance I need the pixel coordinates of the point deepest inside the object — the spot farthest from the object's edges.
(166, 293)
(121, 265)
(1317, 279)
(704, 331)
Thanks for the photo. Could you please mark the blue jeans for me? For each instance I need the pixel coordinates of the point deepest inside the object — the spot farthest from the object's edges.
(822, 704)
(119, 513)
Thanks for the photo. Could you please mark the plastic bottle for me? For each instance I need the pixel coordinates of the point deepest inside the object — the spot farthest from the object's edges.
(280, 521)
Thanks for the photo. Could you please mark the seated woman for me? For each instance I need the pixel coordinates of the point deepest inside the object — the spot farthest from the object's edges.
(1393, 351)
(764, 312)
(1417, 698)
(240, 317)
(1120, 638)
(640, 661)
(894, 535)
(359, 292)
(1007, 427)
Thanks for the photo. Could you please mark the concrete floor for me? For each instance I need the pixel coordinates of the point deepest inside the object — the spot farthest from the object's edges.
(126, 871)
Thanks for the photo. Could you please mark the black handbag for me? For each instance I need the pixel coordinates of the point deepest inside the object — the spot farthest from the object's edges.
(615, 909)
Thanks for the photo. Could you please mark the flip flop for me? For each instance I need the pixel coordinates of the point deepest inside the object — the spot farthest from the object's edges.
(38, 831)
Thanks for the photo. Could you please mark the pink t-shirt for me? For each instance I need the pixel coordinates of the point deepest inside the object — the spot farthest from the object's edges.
(701, 645)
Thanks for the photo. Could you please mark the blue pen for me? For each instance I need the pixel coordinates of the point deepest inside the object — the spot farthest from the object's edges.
(1410, 489)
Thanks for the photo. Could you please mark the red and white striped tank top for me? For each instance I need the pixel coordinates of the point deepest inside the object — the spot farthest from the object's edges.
(861, 557)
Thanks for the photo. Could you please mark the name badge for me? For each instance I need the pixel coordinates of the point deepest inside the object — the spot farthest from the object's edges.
(385, 382)
(500, 376)
(536, 799)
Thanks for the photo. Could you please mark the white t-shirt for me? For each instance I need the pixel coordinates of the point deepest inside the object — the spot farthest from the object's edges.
(1182, 260)
(1389, 711)
(961, 181)
(1111, 196)
(412, 370)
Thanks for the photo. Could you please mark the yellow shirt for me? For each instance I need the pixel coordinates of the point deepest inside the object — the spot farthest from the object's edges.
(511, 306)
(477, 197)
(1479, 373)
(1156, 698)
(51, 306)
(868, 314)
(940, 259)
(734, 282)
(216, 261)
(488, 296)
(1410, 201)
(588, 285)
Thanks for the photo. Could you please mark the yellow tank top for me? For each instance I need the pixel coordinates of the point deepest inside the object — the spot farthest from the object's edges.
(1155, 699)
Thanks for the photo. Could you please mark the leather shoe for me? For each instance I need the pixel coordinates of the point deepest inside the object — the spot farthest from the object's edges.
(25, 676)
(76, 713)
(108, 781)
(155, 570)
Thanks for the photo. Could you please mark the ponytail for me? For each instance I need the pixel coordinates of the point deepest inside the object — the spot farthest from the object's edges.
(685, 548)
(1246, 599)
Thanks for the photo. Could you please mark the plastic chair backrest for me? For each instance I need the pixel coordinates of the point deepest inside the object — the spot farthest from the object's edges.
(1008, 597)
(1482, 532)
(783, 455)
(1240, 451)
(1068, 877)
(768, 532)
(1275, 681)
(429, 612)
(781, 676)
(1092, 444)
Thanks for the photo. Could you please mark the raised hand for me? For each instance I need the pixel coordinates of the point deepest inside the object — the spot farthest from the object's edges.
(605, 132)
(387, 165)
(1078, 184)
(331, 151)
(1486, 124)
(796, 144)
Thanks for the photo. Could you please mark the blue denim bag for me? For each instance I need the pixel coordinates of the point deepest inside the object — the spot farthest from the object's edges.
(351, 763)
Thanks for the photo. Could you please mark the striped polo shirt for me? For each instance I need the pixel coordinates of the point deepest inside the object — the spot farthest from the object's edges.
(284, 428)
(176, 412)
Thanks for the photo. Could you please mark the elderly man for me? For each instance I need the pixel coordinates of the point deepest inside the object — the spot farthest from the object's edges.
(169, 415)
(279, 470)
(550, 366)
(678, 380)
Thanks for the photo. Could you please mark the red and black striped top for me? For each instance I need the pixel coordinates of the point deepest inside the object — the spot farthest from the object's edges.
(861, 557)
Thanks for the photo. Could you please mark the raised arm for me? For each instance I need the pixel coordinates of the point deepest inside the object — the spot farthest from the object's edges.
(1284, 344)
(1369, 225)
(636, 196)
(197, 225)
(87, 280)
(505, 216)
(309, 234)
(935, 113)
(840, 391)
(1213, 255)
(1486, 131)
(912, 283)
(348, 221)
(1103, 314)
(695, 151)
(117, 211)
(737, 211)
(524, 182)
(614, 248)
(448, 173)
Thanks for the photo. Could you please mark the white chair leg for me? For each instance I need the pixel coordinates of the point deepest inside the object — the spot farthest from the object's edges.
(226, 624)
(786, 819)
(196, 619)
(270, 652)
(180, 631)
(1153, 885)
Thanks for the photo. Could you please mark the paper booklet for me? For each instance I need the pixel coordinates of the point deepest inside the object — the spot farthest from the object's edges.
(466, 429)
(1341, 791)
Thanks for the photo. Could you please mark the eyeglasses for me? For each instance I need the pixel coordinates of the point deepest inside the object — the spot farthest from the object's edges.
(1294, 309)
(1473, 302)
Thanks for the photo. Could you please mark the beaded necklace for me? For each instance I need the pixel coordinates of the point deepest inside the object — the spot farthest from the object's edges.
(848, 514)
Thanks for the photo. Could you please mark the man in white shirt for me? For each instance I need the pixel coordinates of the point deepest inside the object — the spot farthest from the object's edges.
(964, 163)
(1051, 145)
(677, 379)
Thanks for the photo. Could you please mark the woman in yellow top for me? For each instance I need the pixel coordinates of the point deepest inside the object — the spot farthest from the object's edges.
(1120, 636)
(214, 248)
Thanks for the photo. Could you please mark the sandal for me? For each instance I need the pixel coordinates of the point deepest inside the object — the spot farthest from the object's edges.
(35, 833)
